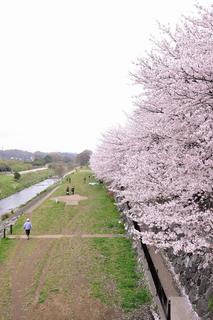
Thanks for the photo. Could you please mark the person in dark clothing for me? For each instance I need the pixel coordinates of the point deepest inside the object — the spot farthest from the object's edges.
(67, 191)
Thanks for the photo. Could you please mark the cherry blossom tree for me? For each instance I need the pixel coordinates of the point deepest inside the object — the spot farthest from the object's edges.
(163, 159)
(108, 160)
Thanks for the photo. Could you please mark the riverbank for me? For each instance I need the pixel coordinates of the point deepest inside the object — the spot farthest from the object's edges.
(25, 209)
(11, 203)
(77, 277)
(9, 186)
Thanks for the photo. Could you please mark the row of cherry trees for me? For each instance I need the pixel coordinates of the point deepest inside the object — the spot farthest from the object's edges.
(161, 161)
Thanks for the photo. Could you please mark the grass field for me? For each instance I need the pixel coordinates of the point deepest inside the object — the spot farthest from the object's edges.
(72, 278)
(9, 186)
(16, 165)
(118, 264)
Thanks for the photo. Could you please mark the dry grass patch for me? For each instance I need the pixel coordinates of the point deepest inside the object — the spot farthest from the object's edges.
(72, 200)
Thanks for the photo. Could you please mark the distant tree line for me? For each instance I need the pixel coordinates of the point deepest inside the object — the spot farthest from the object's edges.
(83, 158)
(42, 161)
(58, 161)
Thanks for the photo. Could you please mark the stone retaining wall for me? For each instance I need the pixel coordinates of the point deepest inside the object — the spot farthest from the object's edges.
(196, 280)
(190, 273)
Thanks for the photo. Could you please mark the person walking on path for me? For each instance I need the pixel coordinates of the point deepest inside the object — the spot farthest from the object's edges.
(67, 190)
(27, 228)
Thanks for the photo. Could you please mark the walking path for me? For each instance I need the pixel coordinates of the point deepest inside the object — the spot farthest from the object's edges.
(179, 304)
(60, 272)
(33, 170)
(67, 263)
(61, 236)
(28, 171)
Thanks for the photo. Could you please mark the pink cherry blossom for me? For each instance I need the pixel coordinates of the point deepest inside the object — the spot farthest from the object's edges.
(161, 161)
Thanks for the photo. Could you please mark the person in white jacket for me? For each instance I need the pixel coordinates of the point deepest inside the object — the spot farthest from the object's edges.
(27, 228)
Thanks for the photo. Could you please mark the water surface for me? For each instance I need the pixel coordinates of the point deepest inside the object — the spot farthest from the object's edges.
(14, 201)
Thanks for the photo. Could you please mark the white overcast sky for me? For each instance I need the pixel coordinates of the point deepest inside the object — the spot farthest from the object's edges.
(64, 67)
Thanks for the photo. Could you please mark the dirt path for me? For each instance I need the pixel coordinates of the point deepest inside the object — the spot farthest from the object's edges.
(33, 170)
(60, 236)
(52, 276)
(36, 271)
(51, 280)
(23, 269)
(32, 268)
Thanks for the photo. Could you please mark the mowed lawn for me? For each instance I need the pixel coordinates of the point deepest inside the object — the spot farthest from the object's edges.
(71, 278)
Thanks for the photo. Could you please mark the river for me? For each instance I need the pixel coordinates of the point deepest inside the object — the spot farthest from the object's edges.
(14, 201)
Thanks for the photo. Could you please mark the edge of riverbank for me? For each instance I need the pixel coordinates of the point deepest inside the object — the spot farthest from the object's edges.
(28, 206)
(9, 186)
